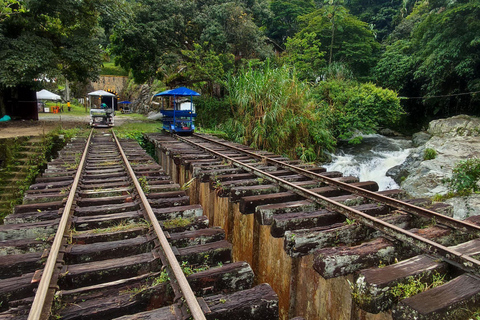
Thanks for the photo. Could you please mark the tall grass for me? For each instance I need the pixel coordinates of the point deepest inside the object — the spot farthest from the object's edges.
(273, 110)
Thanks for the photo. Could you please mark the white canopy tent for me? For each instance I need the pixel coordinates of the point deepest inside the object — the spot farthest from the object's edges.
(47, 95)
(96, 98)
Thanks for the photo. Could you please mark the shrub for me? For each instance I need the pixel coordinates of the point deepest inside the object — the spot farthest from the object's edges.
(353, 107)
(429, 154)
(465, 176)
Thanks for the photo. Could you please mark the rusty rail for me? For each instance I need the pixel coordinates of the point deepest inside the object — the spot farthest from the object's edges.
(188, 294)
(399, 205)
(38, 304)
(451, 256)
(39, 307)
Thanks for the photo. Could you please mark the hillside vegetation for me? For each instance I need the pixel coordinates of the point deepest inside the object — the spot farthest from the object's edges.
(290, 76)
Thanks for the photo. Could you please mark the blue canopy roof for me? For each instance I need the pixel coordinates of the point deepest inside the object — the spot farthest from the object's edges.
(182, 91)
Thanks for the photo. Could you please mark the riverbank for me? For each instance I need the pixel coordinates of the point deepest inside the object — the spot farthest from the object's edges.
(450, 141)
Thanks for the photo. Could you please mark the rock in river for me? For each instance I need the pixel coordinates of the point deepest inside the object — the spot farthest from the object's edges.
(454, 139)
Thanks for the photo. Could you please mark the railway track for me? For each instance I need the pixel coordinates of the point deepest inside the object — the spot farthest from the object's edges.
(105, 234)
(346, 227)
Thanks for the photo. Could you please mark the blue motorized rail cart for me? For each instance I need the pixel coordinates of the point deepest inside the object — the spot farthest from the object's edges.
(178, 111)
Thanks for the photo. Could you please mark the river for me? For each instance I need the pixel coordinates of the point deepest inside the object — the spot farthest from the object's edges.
(371, 159)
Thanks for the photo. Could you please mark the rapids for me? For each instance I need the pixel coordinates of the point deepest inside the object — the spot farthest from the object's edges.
(371, 159)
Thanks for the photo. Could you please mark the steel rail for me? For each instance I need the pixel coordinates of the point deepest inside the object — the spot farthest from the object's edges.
(188, 294)
(464, 226)
(451, 256)
(38, 304)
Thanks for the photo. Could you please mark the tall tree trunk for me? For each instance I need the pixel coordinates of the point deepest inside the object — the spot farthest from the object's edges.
(67, 90)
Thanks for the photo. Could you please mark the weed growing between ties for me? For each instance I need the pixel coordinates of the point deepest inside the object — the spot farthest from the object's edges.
(415, 286)
(144, 184)
(122, 226)
(163, 278)
(177, 222)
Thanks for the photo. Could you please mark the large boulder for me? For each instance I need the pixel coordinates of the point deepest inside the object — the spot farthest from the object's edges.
(458, 126)
(454, 139)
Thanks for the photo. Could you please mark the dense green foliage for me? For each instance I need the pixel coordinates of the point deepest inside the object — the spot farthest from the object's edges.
(273, 110)
(151, 43)
(354, 108)
(342, 36)
(323, 84)
(42, 39)
(50, 38)
(206, 67)
(304, 54)
(206, 106)
(284, 21)
(380, 14)
(434, 55)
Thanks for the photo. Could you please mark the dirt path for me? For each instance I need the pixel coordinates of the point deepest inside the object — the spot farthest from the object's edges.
(47, 123)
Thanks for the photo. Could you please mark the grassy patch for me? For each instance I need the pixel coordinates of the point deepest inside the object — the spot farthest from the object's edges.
(75, 109)
(135, 130)
(213, 132)
(110, 69)
(449, 195)
(189, 270)
(177, 222)
(135, 116)
(144, 184)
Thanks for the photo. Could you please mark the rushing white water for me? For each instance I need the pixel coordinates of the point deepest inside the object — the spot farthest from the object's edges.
(370, 160)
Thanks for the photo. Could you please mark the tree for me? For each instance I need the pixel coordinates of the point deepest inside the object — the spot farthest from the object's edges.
(150, 44)
(435, 54)
(381, 15)
(112, 13)
(305, 55)
(229, 28)
(206, 66)
(9, 7)
(284, 23)
(49, 39)
(347, 39)
(153, 36)
(448, 46)
(354, 107)
(331, 9)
